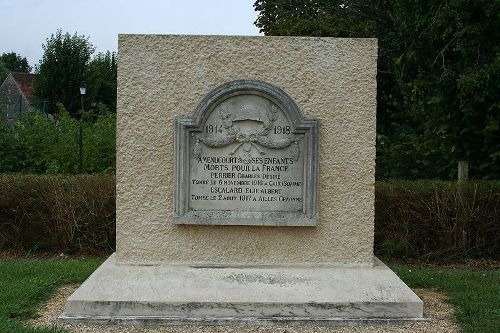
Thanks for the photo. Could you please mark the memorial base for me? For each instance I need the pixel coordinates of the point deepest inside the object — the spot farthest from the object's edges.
(118, 293)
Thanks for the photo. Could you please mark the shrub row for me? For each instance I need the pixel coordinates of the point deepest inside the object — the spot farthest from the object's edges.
(437, 220)
(57, 213)
(425, 220)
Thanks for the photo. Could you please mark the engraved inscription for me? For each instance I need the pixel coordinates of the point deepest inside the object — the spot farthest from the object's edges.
(254, 134)
(247, 158)
(245, 161)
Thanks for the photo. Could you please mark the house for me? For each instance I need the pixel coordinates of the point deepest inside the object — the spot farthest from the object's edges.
(15, 95)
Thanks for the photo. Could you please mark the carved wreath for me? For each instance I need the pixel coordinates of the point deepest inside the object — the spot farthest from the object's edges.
(246, 141)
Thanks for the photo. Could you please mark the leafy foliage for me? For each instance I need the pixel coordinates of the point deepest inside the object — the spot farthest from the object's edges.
(12, 62)
(101, 79)
(66, 62)
(4, 72)
(38, 144)
(15, 62)
(438, 76)
(62, 68)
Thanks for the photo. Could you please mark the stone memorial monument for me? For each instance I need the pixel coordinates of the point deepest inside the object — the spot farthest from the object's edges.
(247, 157)
(245, 186)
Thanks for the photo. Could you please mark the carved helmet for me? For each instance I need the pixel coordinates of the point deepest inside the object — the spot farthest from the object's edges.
(248, 112)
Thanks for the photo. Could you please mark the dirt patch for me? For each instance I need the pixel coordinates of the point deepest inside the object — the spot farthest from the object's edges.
(435, 306)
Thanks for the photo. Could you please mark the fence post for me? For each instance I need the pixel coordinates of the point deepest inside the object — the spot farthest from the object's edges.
(462, 209)
(463, 171)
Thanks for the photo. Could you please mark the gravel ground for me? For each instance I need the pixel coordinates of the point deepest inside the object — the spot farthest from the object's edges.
(434, 306)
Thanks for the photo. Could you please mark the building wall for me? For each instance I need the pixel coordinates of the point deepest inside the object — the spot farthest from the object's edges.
(12, 100)
(162, 77)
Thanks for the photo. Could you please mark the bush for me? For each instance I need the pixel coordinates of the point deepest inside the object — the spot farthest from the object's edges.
(423, 220)
(436, 220)
(37, 144)
(57, 213)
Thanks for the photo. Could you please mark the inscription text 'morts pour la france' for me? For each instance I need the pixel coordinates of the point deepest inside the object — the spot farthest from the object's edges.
(247, 157)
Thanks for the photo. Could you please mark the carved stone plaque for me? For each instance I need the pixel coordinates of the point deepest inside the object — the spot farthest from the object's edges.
(247, 157)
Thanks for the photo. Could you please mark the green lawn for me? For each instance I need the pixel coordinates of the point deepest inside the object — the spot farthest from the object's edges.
(474, 293)
(25, 283)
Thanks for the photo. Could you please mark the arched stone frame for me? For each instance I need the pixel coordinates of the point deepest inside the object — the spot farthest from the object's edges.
(187, 127)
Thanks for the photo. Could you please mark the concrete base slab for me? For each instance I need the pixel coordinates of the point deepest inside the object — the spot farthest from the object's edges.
(117, 293)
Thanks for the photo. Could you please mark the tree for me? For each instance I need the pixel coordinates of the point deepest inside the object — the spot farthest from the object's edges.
(12, 62)
(101, 80)
(438, 76)
(15, 62)
(63, 67)
(449, 75)
(4, 72)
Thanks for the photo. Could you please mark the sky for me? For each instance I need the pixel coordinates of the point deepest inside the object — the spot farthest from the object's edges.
(31, 22)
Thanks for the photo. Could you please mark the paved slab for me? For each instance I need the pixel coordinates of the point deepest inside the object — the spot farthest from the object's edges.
(211, 295)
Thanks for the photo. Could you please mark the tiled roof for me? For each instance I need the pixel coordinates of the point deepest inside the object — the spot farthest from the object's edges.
(25, 82)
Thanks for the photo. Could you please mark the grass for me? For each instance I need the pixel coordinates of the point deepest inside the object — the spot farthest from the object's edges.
(24, 284)
(474, 293)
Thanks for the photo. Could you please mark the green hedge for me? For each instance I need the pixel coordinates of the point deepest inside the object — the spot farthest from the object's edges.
(425, 220)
